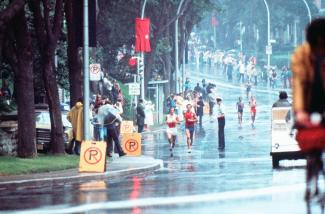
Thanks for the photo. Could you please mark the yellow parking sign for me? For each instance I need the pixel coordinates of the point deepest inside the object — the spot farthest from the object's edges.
(126, 127)
(93, 156)
(131, 144)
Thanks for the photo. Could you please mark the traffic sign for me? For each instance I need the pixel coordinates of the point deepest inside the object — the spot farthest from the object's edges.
(93, 156)
(131, 144)
(268, 49)
(94, 72)
(126, 127)
(134, 89)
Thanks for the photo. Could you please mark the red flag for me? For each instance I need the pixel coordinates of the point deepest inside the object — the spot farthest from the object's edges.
(142, 35)
(214, 21)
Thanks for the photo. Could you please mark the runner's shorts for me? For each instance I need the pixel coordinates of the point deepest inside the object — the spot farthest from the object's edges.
(172, 131)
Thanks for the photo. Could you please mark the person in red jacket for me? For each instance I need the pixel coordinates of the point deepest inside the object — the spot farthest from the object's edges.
(190, 120)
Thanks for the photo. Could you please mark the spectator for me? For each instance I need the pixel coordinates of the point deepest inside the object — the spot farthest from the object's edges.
(221, 123)
(197, 88)
(116, 92)
(109, 116)
(283, 100)
(199, 109)
(75, 117)
(140, 116)
(187, 85)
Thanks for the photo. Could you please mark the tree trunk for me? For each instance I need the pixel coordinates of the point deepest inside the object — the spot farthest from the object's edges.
(25, 89)
(48, 32)
(52, 93)
(74, 62)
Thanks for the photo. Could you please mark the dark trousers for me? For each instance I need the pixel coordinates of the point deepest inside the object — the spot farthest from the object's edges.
(211, 105)
(221, 132)
(112, 135)
(140, 128)
(74, 146)
(200, 119)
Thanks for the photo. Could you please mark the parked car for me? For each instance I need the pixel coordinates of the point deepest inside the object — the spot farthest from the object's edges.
(43, 126)
(43, 129)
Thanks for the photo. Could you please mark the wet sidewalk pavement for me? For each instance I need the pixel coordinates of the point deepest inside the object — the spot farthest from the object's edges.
(116, 167)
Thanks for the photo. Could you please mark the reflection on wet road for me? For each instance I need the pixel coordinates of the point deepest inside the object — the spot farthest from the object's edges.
(239, 179)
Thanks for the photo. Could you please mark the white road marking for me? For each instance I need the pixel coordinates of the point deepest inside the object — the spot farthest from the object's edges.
(169, 201)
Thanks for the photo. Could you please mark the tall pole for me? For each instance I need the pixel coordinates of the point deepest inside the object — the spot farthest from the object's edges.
(86, 71)
(268, 34)
(141, 75)
(184, 58)
(241, 36)
(176, 46)
(308, 9)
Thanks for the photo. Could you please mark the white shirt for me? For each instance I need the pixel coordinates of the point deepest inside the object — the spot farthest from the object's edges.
(220, 110)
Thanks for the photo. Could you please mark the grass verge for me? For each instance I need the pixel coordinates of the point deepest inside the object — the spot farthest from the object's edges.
(43, 163)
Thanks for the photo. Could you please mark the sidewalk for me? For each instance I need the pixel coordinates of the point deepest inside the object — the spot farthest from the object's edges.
(118, 167)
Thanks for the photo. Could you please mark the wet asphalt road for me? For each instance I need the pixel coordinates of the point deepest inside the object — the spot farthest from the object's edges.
(239, 179)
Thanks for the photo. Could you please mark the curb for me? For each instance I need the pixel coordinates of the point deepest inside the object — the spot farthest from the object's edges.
(86, 176)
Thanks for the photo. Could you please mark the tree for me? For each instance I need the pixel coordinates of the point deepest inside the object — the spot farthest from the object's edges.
(18, 52)
(47, 19)
(74, 63)
(121, 15)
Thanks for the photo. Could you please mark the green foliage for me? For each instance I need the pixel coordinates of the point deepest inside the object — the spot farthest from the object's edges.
(5, 108)
(116, 26)
(163, 46)
(62, 70)
(253, 13)
(127, 108)
(42, 163)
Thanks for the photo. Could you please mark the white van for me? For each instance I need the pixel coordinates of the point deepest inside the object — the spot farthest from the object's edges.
(284, 145)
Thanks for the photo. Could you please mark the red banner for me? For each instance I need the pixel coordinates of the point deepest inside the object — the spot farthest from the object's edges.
(142, 35)
(214, 21)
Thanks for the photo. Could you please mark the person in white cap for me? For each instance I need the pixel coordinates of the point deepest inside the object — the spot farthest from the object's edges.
(221, 123)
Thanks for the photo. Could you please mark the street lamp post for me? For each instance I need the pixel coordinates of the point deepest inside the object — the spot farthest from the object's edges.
(141, 75)
(308, 9)
(86, 70)
(176, 46)
(269, 47)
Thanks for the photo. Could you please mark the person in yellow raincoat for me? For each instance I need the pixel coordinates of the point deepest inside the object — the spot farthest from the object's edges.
(75, 116)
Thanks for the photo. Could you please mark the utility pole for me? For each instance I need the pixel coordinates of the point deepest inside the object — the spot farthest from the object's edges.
(269, 46)
(141, 61)
(86, 70)
(308, 9)
(176, 47)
